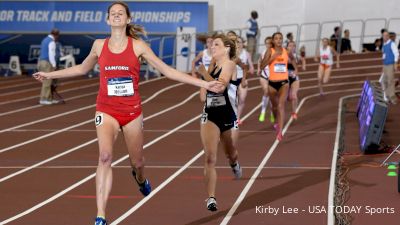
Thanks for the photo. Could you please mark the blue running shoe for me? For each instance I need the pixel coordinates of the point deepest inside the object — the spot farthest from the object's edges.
(100, 221)
(145, 187)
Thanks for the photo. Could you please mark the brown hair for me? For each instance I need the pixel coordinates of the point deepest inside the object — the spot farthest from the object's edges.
(273, 36)
(227, 43)
(132, 30)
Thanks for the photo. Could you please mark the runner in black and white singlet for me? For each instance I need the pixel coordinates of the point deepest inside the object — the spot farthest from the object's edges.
(294, 81)
(244, 67)
(205, 57)
(219, 121)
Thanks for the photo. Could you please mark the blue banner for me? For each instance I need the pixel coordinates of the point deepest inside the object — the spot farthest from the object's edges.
(90, 17)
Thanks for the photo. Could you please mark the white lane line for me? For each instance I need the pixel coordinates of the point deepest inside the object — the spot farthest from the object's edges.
(348, 61)
(173, 167)
(331, 193)
(47, 118)
(253, 178)
(181, 131)
(75, 125)
(86, 107)
(21, 84)
(43, 136)
(67, 99)
(47, 160)
(143, 201)
(36, 88)
(169, 179)
(77, 184)
(54, 197)
(93, 140)
(344, 69)
(37, 96)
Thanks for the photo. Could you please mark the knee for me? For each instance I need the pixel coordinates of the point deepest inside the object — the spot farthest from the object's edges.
(139, 163)
(105, 158)
(211, 160)
(281, 105)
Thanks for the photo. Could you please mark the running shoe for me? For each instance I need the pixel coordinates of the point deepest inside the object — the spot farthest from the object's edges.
(145, 187)
(272, 118)
(100, 221)
(262, 117)
(212, 204)
(294, 115)
(237, 170)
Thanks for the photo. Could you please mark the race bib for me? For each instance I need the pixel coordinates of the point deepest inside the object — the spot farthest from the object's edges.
(121, 86)
(203, 118)
(215, 101)
(280, 68)
(98, 119)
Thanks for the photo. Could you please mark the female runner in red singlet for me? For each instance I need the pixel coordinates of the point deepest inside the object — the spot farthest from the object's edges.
(118, 100)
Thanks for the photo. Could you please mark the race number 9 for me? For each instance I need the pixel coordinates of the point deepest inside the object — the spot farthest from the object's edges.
(98, 120)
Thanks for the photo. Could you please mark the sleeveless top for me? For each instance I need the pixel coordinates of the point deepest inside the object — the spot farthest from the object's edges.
(206, 59)
(278, 67)
(215, 102)
(244, 59)
(326, 55)
(119, 81)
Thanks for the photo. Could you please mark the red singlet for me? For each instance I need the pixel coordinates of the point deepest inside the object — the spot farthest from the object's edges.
(119, 82)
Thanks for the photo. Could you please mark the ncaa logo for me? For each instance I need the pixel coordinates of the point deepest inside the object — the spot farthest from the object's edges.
(185, 51)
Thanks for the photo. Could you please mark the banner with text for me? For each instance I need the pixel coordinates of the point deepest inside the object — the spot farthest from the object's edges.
(90, 17)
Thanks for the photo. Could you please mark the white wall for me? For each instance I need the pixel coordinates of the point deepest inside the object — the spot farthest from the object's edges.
(233, 14)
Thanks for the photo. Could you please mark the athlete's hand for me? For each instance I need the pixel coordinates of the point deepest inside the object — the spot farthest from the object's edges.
(40, 76)
(215, 86)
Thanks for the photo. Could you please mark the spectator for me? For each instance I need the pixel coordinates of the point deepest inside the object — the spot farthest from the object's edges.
(383, 30)
(346, 43)
(251, 33)
(303, 57)
(47, 63)
(392, 36)
(378, 44)
(336, 38)
(390, 58)
(289, 38)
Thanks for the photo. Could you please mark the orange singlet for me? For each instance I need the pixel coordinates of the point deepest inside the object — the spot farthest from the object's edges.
(278, 68)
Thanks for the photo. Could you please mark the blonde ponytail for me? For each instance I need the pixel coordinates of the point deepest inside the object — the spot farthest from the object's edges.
(134, 31)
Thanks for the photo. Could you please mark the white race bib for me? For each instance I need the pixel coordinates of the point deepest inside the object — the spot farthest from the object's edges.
(214, 101)
(121, 86)
(280, 68)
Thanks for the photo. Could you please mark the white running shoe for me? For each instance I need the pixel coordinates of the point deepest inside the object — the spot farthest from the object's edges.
(212, 204)
(237, 170)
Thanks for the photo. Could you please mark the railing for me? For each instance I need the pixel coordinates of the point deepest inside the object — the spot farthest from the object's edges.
(306, 34)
